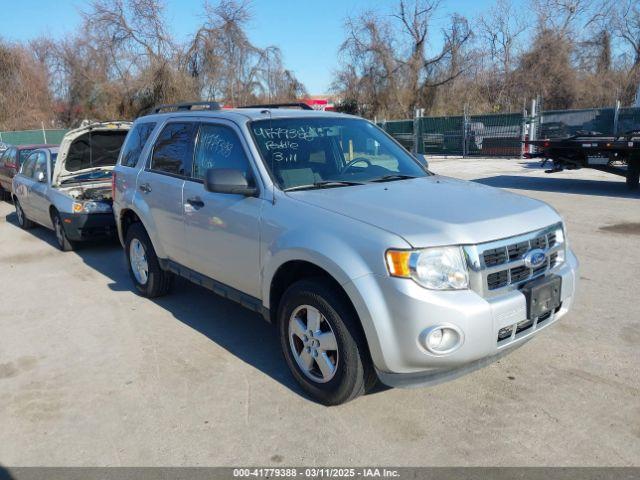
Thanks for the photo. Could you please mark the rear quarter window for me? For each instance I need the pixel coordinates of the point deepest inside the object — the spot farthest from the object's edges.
(135, 143)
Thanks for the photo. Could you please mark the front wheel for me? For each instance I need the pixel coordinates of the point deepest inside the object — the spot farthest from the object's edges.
(323, 343)
(144, 269)
(633, 175)
(23, 221)
(64, 243)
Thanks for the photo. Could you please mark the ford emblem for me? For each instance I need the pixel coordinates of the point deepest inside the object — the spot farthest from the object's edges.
(535, 258)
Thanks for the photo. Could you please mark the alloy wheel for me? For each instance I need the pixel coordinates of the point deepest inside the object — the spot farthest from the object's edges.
(138, 261)
(59, 231)
(313, 344)
(19, 213)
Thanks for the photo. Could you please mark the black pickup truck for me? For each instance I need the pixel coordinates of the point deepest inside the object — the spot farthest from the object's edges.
(619, 155)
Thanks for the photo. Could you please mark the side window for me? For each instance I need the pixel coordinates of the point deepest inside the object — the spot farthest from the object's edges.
(219, 147)
(28, 166)
(9, 157)
(41, 165)
(136, 140)
(173, 151)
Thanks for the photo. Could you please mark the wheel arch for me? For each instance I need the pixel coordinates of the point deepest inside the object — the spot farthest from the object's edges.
(294, 270)
(130, 215)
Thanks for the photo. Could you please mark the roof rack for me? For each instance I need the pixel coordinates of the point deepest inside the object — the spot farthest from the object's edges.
(300, 105)
(187, 106)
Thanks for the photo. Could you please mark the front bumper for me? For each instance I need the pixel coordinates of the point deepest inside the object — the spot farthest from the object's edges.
(395, 312)
(88, 226)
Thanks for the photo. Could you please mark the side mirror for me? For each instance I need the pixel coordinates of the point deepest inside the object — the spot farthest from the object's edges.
(41, 177)
(422, 159)
(228, 180)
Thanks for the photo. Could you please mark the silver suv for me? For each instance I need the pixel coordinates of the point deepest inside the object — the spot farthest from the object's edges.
(370, 266)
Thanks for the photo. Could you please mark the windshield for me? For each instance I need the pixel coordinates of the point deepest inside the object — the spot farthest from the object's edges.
(321, 152)
(24, 153)
(96, 175)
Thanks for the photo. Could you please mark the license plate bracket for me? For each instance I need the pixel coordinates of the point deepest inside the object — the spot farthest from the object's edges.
(543, 295)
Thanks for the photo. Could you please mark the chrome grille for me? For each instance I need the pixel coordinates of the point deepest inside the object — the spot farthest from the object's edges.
(498, 265)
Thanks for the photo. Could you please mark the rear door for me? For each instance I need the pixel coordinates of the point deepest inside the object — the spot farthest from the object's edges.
(7, 164)
(223, 230)
(160, 184)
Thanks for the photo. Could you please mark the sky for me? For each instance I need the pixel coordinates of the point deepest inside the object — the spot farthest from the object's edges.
(309, 32)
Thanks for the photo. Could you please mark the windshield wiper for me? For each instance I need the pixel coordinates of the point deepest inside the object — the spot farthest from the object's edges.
(391, 178)
(324, 184)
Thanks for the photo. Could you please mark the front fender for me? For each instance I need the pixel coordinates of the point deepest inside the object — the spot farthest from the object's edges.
(338, 258)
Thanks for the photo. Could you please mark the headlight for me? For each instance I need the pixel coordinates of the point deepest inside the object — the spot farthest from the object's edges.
(561, 239)
(441, 268)
(91, 207)
(560, 235)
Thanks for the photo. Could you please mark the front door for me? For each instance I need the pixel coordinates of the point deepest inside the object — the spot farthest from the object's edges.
(38, 200)
(222, 230)
(24, 186)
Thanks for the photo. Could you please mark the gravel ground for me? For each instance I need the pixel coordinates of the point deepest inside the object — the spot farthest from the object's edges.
(93, 375)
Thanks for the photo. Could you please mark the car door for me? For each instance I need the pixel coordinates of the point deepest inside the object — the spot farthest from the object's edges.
(159, 186)
(222, 230)
(38, 197)
(24, 184)
(7, 163)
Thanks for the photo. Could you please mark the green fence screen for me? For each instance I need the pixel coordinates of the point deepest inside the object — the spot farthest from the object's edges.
(498, 135)
(441, 135)
(501, 135)
(402, 131)
(26, 137)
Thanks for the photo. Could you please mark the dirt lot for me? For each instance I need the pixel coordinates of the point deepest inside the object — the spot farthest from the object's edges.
(92, 374)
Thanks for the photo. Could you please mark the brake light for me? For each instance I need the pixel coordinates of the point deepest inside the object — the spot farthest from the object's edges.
(546, 144)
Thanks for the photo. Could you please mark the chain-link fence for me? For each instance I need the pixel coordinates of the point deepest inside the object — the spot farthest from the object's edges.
(501, 135)
(26, 137)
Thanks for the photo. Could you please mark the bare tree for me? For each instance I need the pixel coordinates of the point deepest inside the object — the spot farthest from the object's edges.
(227, 65)
(626, 21)
(386, 60)
(502, 28)
(25, 100)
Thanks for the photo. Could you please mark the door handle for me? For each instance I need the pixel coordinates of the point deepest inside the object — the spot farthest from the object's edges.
(195, 202)
(144, 188)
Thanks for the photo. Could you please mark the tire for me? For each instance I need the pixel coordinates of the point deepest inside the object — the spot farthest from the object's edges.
(633, 175)
(352, 371)
(63, 242)
(23, 221)
(156, 282)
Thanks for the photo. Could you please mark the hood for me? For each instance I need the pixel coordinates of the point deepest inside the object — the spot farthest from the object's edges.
(85, 149)
(435, 210)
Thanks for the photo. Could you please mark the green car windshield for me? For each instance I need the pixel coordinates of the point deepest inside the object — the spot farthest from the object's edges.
(332, 151)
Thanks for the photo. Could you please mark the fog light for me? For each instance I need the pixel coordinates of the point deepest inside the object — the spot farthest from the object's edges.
(434, 339)
(505, 332)
(441, 340)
